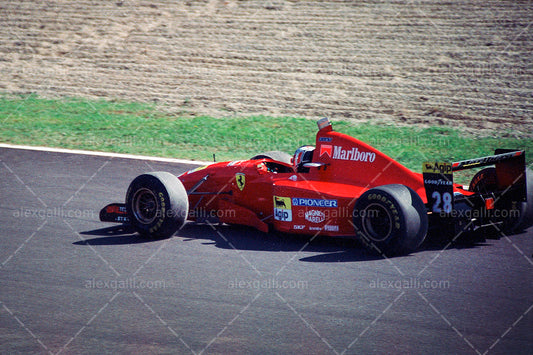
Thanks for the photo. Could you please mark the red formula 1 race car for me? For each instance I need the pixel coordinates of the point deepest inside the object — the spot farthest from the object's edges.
(339, 187)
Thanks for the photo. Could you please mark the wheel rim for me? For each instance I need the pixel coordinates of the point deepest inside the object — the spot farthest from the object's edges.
(144, 206)
(377, 222)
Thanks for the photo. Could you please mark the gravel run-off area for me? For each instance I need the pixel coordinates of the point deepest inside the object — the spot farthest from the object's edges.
(460, 63)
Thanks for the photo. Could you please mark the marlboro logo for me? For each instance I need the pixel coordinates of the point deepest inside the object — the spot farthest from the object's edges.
(353, 154)
(339, 153)
(326, 149)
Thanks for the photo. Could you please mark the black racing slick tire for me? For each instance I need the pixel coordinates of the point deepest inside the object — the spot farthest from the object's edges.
(391, 219)
(485, 181)
(526, 211)
(274, 155)
(157, 204)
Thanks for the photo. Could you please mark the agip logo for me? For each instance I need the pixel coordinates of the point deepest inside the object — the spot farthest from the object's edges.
(282, 209)
(437, 167)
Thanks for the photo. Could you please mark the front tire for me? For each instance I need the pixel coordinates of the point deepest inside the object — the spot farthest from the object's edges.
(391, 219)
(157, 204)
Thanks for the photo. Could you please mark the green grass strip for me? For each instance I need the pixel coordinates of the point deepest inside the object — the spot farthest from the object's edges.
(146, 129)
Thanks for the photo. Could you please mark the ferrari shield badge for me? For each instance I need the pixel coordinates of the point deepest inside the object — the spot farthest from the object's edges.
(240, 178)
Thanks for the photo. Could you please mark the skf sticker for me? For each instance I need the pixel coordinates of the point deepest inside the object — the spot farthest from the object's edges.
(240, 178)
(282, 209)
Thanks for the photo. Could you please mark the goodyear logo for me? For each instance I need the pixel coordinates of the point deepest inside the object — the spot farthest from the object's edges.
(437, 167)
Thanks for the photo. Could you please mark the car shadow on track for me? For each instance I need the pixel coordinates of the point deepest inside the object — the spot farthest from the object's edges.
(329, 250)
(115, 235)
(242, 238)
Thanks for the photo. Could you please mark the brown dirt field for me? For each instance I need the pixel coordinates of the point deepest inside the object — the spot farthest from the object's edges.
(461, 63)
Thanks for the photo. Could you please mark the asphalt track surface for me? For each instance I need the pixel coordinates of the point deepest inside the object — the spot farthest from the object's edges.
(70, 284)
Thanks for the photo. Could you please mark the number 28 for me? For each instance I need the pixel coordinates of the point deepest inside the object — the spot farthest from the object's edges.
(445, 199)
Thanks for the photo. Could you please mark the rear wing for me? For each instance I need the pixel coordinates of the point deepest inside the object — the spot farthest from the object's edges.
(510, 172)
(500, 155)
(453, 209)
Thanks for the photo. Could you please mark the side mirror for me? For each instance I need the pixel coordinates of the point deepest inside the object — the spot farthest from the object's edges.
(315, 165)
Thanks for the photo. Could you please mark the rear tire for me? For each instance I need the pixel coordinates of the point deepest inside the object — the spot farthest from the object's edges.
(486, 181)
(157, 204)
(391, 219)
(526, 213)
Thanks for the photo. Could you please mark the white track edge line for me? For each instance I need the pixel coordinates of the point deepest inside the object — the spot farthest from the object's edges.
(104, 154)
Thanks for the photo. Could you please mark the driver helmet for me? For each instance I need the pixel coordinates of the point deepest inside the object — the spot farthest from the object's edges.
(303, 155)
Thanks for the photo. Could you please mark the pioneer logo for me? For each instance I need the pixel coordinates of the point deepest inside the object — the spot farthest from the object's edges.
(353, 154)
(313, 202)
